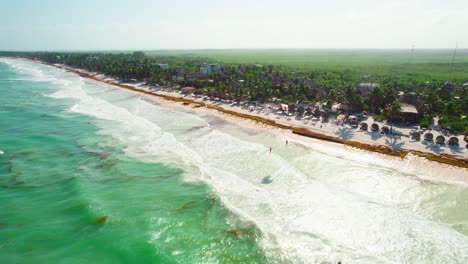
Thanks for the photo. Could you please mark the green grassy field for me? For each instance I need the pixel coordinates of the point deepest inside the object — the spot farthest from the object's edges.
(431, 63)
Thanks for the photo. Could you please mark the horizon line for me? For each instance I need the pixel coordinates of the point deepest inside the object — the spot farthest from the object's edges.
(220, 49)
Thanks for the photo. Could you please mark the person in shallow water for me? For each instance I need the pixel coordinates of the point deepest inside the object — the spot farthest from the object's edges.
(267, 180)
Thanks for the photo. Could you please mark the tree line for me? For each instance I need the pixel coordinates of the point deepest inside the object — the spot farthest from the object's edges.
(265, 83)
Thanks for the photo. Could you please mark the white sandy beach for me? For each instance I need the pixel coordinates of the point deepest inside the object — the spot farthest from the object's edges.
(331, 128)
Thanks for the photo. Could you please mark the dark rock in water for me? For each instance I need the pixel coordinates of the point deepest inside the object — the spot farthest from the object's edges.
(233, 232)
(267, 180)
(102, 220)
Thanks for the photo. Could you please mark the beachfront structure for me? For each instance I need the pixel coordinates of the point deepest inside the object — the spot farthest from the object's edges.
(162, 66)
(209, 68)
(409, 113)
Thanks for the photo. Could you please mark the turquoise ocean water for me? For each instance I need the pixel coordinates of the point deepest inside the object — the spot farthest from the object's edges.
(58, 176)
(183, 187)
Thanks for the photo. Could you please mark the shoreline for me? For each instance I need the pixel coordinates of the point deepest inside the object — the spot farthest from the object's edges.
(443, 158)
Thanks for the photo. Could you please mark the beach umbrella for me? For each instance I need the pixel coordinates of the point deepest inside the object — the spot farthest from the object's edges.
(415, 135)
(35, 59)
(453, 141)
(364, 126)
(58, 57)
(428, 136)
(440, 140)
(385, 129)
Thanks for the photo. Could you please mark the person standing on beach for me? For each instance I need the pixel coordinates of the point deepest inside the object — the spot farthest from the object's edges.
(286, 142)
(270, 149)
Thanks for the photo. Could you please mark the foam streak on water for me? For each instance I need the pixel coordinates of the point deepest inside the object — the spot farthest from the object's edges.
(325, 202)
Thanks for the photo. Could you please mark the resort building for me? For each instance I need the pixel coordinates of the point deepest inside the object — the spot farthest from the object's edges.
(177, 75)
(162, 66)
(209, 68)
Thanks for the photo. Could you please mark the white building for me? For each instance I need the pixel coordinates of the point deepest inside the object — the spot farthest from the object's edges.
(162, 66)
(209, 68)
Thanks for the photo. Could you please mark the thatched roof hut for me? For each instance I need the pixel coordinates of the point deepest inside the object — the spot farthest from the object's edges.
(364, 126)
(375, 127)
(385, 130)
(440, 140)
(453, 141)
(409, 113)
(428, 136)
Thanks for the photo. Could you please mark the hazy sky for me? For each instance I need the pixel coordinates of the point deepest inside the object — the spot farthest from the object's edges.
(207, 24)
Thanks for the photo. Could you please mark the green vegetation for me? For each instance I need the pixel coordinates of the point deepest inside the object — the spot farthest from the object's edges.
(430, 64)
(427, 80)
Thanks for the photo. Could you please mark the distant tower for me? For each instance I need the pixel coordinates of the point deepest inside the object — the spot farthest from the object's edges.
(411, 55)
(453, 58)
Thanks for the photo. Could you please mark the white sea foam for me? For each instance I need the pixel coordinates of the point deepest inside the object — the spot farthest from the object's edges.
(325, 203)
(35, 71)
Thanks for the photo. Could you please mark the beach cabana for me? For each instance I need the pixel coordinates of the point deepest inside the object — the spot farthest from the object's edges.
(440, 140)
(375, 127)
(453, 141)
(364, 126)
(428, 136)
